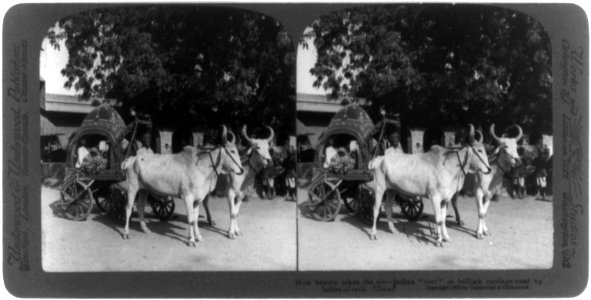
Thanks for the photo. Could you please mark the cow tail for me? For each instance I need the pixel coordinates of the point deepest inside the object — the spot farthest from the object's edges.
(127, 162)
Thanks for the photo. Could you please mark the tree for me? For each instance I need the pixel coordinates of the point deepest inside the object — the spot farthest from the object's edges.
(196, 66)
(438, 65)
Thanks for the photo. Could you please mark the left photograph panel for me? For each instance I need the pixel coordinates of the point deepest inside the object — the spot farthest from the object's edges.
(168, 141)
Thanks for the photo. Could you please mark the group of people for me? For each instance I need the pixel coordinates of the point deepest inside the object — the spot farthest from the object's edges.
(535, 164)
(282, 168)
(93, 159)
(341, 160)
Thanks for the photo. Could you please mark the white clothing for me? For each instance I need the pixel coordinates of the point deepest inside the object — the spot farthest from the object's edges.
(353, 146)
(329, 152)
(82, 153)
(103, 147)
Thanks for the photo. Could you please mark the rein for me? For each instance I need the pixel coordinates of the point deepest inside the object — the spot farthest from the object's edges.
(234, 161)
(481, 160)
(215, 165)
(462, 166)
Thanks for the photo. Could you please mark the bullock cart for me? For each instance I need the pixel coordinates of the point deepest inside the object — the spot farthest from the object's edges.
(352, 130)
(103, 184)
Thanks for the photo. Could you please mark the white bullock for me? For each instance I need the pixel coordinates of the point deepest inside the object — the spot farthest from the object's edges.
(190, 175)
(487, 185)
(238, 186)
(437, 175)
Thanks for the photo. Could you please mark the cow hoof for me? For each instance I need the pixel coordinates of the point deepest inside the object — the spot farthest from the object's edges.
(439, 244)
(373, 237)
(479, 236)
(231, 235)
(448, 239)
(487, 233)
(192, 244)
(126, 236)
(238, 233)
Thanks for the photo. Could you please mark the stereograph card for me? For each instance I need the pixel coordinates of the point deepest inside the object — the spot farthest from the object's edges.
(285, 121)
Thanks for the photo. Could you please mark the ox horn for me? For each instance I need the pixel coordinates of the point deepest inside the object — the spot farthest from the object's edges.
(471, 135)
(224, 134)
(245, 135)
(520, 135)
(481, 140)
(272, 133)
(492, 133)
(233, 137)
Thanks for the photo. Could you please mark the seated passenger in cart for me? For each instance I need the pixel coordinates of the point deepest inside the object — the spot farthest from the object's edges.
(329, 152)
(341, 163)
(90, 160)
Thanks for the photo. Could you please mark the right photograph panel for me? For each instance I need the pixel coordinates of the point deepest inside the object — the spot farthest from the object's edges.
(425, 140)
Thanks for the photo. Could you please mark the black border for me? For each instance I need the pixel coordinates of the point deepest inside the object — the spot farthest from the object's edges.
(23, 30)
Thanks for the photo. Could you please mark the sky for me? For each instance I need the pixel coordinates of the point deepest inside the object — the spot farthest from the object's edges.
(305, 61)
(51, 62)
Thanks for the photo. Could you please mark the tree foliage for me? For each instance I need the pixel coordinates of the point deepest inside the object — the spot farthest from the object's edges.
(196, 66)
(438, 65)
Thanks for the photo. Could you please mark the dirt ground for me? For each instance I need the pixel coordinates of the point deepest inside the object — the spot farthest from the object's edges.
(522, 238)
(268, 241)
(278, 236)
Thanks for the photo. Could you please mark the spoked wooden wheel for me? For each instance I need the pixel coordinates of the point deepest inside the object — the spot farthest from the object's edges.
(163, 207)
(77, 200)
(326, 201)
(411, 207)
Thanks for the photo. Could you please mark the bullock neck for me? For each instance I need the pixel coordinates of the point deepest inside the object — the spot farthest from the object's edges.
(252, 159)
(212, 160)
(498, 161)
(459, 169)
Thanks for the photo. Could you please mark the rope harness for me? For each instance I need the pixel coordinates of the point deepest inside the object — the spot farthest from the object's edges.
(462, 166)
(215, 165)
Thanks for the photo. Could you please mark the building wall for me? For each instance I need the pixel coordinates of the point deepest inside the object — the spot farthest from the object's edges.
(59, 123)
(549, 141)
(417, 138)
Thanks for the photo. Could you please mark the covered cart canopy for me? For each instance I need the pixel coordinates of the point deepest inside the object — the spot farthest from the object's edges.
(351, 120)
(106, 122)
